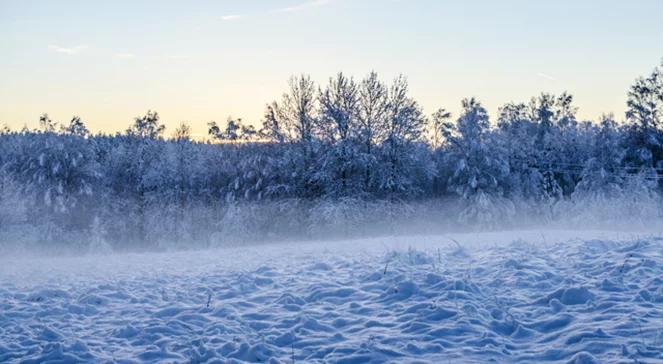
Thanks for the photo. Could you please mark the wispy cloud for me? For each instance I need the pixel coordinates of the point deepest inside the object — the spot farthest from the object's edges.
(289, 9)
(124, 55)
(67, 50)
(547, 77)
(231, 17)
(303, 6)
(178, 56)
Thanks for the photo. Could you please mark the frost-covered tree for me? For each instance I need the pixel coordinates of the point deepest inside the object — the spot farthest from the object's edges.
(147, 126)
(234, 132)
(337, 125)
(271, 130)
(553, 115)
(183, 177)
(338, 109)
(645, 101)
(645, 115)
(47, 125)
(248, 133)
(13, 203)
(403, 129)
(518, 135)
(76, 127)
(182, 133)
(60, 172)
(603, 175)
(437, 121)
(373, 104)
(141, 175)
(293, 119)
(477, 167)
(231, 133)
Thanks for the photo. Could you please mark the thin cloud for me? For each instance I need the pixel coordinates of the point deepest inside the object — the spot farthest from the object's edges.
(124, 55)
(178, 56)
(304, 6)
(547, 77)
(289, 9)
(231, 17)
(67, 50)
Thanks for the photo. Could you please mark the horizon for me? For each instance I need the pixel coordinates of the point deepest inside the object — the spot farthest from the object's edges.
(210, 61)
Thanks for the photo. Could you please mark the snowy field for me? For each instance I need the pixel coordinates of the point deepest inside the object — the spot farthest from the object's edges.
(529, 296)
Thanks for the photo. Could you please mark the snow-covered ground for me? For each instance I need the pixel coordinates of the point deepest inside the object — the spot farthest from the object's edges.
(529, 296)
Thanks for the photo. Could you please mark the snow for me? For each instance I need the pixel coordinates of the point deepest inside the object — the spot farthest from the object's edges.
(518, 296)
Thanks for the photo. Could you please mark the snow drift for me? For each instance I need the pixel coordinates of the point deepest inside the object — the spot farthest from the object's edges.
(531, 296)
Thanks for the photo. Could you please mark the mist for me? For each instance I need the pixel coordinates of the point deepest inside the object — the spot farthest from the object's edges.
(259, 223)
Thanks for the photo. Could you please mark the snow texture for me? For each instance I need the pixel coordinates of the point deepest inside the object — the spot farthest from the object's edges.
(531, 296)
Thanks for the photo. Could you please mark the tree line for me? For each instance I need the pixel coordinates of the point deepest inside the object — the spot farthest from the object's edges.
(329, 154)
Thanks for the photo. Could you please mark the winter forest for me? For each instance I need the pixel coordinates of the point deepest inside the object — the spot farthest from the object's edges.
(349, 157)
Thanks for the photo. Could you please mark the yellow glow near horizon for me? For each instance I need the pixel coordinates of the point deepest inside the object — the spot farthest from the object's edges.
(109, 63)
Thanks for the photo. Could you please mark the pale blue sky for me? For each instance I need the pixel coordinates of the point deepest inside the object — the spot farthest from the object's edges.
(198, 61)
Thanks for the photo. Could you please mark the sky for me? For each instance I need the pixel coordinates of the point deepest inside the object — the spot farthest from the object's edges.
(198, 61)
